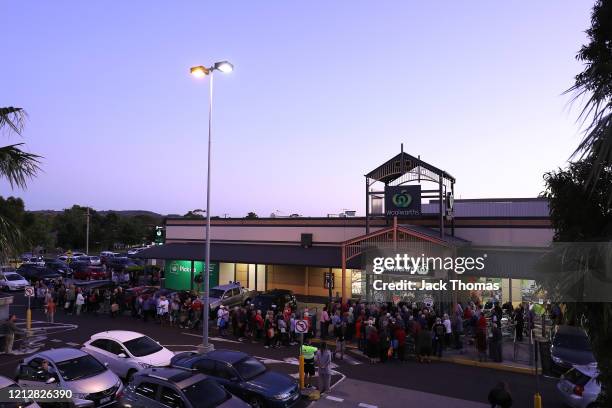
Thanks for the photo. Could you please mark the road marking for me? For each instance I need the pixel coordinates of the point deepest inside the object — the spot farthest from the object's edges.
(350, 360)
(56, 340)
(212, 338)
(72, 344)
(329, 397)
(362, 405)
(294, 361)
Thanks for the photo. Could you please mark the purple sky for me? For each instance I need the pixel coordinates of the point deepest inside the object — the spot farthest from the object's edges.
(322, 93)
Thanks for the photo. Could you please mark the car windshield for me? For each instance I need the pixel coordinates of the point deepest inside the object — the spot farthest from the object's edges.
(78, 368)
(217, 293)
(142, 346)
(575, 342)
(249, 368)
(14, 277)
(206, 394)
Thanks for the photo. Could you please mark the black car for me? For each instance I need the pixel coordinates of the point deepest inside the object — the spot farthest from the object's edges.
(570, 346)
(120, 263)
(244, 376)
(278, 297)
(172, 387)
(59, 266)
(35, 273)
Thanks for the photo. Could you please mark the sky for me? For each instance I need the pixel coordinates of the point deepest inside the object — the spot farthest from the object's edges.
(322, 93)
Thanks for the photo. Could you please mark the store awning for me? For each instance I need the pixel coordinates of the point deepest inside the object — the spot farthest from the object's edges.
(318, 256)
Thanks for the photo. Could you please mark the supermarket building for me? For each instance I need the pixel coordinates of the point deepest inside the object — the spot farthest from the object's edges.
(408, 203)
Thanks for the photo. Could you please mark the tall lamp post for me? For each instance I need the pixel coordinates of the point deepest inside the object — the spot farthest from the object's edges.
(200, 72)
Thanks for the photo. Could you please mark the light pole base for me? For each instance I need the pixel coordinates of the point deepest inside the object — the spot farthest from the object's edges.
(202, 349)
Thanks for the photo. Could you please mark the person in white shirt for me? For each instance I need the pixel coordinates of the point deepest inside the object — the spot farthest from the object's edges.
(80, 301)
(448, 332)
(222, 319)
(162, 307)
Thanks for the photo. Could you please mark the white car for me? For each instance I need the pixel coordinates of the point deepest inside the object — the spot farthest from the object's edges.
(6, 385)
(127, 352)
(134, 251)
(12, 281)
(95, 261)
(33, 261)
(579, 387)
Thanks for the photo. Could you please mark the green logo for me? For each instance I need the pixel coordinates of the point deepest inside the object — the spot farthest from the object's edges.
(174, 268)
(402, 199)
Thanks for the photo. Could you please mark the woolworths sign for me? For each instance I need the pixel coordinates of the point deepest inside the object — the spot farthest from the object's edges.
(178, 274)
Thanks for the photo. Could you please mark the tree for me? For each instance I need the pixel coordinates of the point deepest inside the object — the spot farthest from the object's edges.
(594, 86)
(195, 214)
(584, 217)
(17, 167)
(251, 215)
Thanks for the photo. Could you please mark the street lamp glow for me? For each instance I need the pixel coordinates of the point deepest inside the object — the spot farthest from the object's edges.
(224, 66)
(200, 71)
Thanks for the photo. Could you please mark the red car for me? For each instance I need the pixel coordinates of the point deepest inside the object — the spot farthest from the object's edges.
(90, 273)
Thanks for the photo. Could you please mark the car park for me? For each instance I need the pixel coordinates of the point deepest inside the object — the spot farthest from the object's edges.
(127, 352)
(120, 263)
(570, 346)
(278, 297)
(74, 370)
(579, 387)
(33, 260)
(244, 376)
(7, 384)
(229, 295)
(172, 387)
(89, 272)
(12, 281)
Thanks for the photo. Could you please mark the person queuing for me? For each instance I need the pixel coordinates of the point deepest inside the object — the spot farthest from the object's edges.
(323, 361)
(308, 351)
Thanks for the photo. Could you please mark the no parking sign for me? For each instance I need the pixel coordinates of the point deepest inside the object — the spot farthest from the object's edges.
(301, 326)
(29, 291)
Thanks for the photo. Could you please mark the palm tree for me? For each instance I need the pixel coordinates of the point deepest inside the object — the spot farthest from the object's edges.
(594, 86)
(17, 167)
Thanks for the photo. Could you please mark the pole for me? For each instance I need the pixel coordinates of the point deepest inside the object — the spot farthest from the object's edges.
(537, 398)
(87, 235)
(29, 316)
(206, 346)
(301, 362)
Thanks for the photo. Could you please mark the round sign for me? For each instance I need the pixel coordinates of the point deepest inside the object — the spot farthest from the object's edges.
(301, 326)
(29, 291)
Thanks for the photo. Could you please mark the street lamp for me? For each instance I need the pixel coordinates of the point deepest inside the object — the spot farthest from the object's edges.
(201, 71)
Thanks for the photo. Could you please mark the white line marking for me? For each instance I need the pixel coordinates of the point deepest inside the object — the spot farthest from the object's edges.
(350, 360)
(329, 397)
(56, 340)
(361, 404)
(212, 338)
(72, 344)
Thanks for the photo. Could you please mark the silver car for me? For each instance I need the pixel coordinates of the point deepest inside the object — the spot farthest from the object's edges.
(579, 387)
(7, 384)
(74, 370)
(12, 281)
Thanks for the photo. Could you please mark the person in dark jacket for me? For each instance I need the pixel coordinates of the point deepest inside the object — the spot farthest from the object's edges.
(499, 396)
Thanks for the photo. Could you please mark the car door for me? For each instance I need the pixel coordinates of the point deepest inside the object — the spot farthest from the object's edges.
(32, 374)
(118, 365)
(226, 375)
(99, 348)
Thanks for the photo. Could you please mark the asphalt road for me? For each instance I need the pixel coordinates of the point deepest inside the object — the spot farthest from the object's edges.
(445, 379)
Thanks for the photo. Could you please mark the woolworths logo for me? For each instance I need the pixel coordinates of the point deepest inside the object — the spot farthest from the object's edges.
(402, 199)
(176, 268)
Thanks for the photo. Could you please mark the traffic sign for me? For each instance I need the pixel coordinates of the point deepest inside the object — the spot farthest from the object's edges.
(301, 326)
(29, 291)
(428, 301)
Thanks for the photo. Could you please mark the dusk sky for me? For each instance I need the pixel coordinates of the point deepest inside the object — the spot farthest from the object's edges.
(322, 93)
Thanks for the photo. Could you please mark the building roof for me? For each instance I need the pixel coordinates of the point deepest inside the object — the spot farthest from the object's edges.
(401, 164)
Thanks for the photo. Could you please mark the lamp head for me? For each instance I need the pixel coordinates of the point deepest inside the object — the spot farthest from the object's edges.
(200, 71)
(224, 66)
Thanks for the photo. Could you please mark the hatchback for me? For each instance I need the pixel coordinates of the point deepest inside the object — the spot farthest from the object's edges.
(579, 387)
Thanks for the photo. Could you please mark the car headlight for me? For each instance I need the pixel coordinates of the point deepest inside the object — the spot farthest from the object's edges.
(144, 365)
(283, 396)
(557, 360)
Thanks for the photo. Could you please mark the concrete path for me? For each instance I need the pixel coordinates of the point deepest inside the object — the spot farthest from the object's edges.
(355, 393)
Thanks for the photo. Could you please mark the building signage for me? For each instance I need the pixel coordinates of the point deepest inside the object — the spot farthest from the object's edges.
(178, 275)
(403, 201)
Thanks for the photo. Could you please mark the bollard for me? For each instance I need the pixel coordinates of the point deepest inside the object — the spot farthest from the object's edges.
(301, 371)
(29, 319)
(537, 401)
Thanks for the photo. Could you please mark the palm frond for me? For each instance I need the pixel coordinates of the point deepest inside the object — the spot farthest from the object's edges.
(11, 239)
(13, 118)
(18, 166)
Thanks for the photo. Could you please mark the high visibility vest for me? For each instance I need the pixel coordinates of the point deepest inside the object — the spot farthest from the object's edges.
(308, 352)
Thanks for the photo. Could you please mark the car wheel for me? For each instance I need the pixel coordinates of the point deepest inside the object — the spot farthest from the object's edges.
(129, 376)
(246, 302)
(256, 402)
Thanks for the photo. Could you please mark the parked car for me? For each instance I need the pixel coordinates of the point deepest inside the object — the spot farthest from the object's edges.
(173, 387)
(570, 346)
(229, 295)
(579, 387)
(74, 370)
(32, 260)
(34, 273)
(278, 297)
(244, 376)
(12, 281)
(7, 384)
(118, 263)
(59, 266)
(95, 260)
(127, 352)
(104, 255)
(90, 273)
